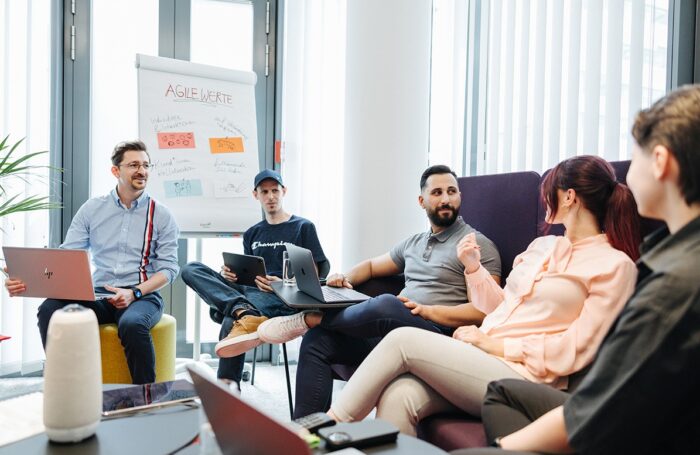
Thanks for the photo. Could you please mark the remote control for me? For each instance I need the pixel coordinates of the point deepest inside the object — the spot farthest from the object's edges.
(313, 422)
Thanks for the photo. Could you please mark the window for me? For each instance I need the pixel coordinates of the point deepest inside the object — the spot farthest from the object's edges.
(117, 36)
(543, 79)
(25, 91)
(221, 34)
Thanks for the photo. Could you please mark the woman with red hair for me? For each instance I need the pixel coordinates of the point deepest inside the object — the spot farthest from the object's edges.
(559, 301)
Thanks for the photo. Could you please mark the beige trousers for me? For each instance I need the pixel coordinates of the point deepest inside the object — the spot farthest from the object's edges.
(414, 373)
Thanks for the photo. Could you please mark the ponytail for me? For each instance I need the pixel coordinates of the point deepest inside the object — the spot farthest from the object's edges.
(610, 202)
(621, 223)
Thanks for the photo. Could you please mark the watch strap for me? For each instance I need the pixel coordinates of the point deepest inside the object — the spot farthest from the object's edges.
(137, 292)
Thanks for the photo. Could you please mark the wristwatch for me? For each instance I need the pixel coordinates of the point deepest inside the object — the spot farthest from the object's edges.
(137, 292)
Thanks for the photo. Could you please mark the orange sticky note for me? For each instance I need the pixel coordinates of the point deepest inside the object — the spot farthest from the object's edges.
(278, 152)
(175, 140)
(226, 144)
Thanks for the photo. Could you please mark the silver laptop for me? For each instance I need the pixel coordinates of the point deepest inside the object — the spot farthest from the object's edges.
(53, 273)
(307, 279)
(239, 427)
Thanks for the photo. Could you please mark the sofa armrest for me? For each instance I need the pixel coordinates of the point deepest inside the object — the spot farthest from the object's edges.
(386, 285)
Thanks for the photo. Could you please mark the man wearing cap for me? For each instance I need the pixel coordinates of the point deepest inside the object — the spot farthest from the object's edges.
(240, 308)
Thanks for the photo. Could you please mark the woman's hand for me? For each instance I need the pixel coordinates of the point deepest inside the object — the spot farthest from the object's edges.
(471, 334)
(417, 309)
(469, 253)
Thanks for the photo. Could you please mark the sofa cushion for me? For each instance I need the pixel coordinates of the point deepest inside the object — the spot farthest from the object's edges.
(452, 431)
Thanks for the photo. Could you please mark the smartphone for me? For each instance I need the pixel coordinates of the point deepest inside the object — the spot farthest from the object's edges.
(359, 434)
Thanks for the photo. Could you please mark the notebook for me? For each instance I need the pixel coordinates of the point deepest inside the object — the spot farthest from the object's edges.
(53, 273)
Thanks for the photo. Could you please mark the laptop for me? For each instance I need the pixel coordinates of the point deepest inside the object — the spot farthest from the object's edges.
(239, 427)
(246, 267)
(307, 281)
(53, 273)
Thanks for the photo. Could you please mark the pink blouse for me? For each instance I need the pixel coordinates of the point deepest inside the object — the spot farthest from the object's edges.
(558, 303)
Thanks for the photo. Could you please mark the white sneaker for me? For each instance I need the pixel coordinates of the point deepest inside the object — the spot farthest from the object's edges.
(283, 328)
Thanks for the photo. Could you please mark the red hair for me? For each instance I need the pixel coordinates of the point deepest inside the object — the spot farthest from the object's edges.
(609, 201)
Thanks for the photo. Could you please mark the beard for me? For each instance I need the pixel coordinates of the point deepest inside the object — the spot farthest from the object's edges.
(138, 186)
(443, 220)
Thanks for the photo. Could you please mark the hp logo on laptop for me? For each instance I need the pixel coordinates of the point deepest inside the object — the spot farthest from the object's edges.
(47, 273)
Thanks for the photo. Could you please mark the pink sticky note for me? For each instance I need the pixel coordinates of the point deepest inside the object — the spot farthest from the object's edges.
(175, 140)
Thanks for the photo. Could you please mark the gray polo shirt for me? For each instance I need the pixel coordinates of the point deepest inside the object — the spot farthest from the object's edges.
(434, 273)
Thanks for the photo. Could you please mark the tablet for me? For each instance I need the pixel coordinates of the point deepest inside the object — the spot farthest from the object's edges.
(135, 398)
(245, 267)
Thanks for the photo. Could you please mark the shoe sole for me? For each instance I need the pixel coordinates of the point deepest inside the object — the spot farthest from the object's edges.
(238, 345)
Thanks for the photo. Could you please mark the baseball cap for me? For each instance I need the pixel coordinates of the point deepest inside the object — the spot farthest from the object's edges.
(267, 174)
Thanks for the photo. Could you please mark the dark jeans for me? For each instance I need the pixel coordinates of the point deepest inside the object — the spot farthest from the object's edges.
(345, 337)
(133, 326)
(225, 298)
(512, 404)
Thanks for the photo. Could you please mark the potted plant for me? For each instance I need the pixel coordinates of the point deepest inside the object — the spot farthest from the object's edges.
(19, 168)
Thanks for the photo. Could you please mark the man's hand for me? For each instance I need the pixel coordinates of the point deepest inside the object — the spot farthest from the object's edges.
(122, 299)
(472, 334)
(263, 282)
(338, 280)
(14, 286)
(228, 274)
(417, 309)
(469, 253)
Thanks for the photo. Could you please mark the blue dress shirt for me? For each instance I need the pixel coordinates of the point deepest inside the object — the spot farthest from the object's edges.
(127, 246)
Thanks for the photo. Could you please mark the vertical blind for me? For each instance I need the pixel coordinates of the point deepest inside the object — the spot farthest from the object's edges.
(545, 79)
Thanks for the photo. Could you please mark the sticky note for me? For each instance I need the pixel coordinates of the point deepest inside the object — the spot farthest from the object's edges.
(175, 140)
(182, 188)
(226, 144)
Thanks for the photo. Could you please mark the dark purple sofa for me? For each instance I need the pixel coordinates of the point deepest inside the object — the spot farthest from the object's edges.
(507, 209)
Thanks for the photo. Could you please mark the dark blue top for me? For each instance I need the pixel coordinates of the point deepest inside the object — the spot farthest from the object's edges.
(267, 241)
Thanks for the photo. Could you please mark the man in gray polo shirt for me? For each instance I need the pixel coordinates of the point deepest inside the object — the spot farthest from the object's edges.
(433, 273)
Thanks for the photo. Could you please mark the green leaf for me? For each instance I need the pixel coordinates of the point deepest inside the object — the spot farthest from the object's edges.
(21, 169)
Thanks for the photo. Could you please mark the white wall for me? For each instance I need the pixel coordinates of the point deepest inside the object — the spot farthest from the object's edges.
(386, 124)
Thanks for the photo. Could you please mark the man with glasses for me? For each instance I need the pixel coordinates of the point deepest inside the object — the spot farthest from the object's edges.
(133, 244)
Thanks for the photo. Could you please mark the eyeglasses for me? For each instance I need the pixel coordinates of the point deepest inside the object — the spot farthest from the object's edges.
(135, 166)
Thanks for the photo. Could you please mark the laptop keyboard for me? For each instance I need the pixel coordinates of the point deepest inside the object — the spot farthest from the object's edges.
(331, 295)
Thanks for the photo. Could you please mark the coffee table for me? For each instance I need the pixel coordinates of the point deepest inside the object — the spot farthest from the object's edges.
(169, 430)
